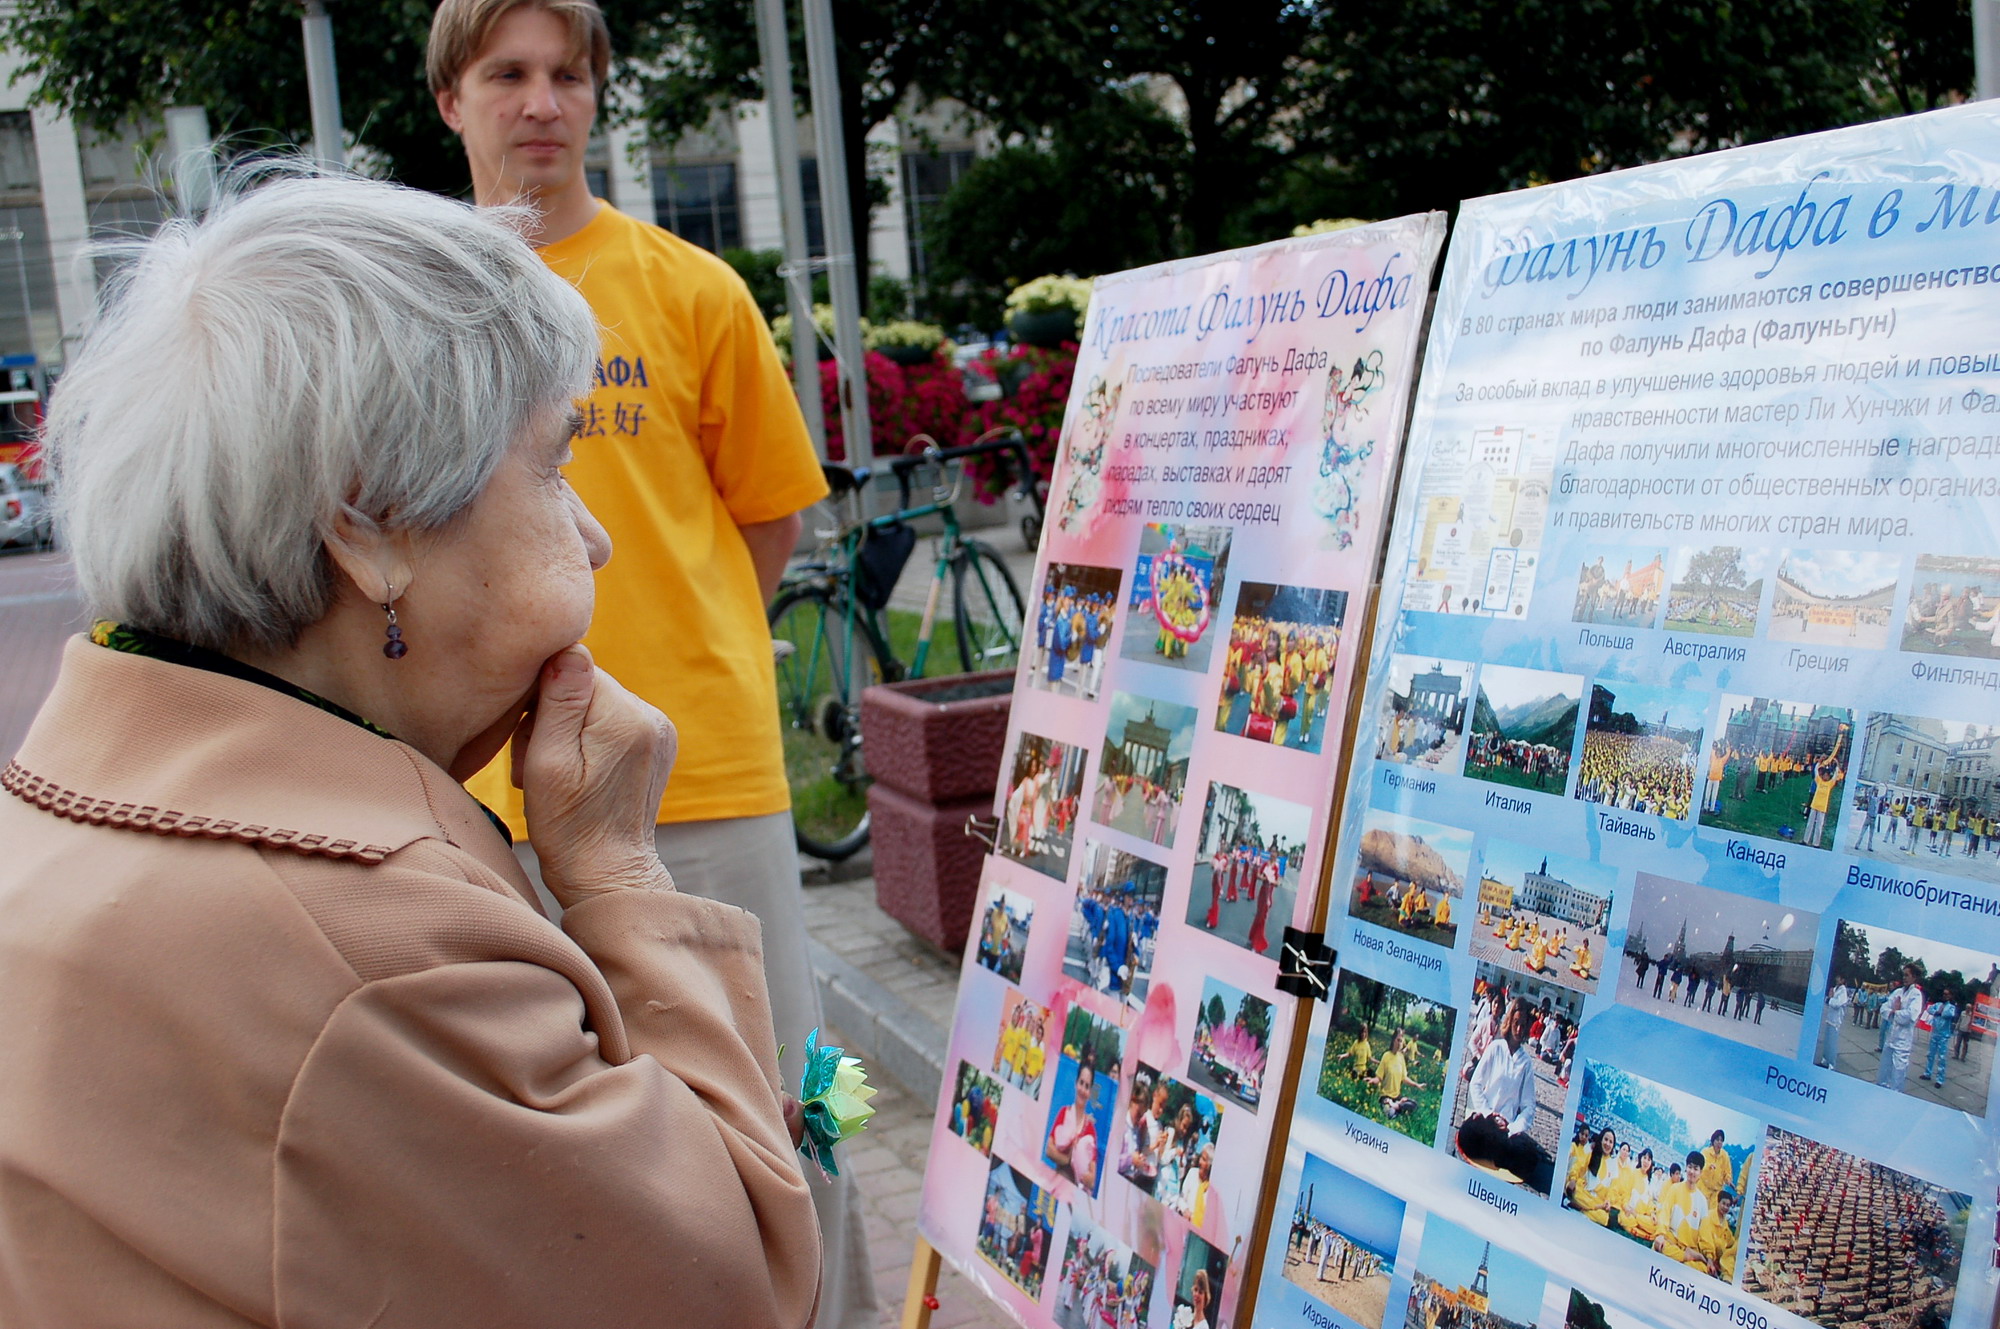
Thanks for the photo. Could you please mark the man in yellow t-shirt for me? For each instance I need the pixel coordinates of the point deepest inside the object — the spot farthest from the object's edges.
(691, 451)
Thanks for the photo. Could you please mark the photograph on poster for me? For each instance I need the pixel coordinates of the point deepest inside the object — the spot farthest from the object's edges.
(1003, 933)
(1072, 626)
(975, 1107)
(1083, 1098)
(1016, 1227)
(1277, 679)
(1911, 805)
(1246, 866)
(1115, 922)
(1899, 1014)
(1834, 597)
(1726, 964)
(1543, 914)
(1232, 1043)
(1203, 1269)
(1716, 590)
(1021, 1052)
(1585, 1312)
(1175, 609)
(1143, 771)
(1660, 1167)
(1619, 587)
(1641, 748)
(1038, 820)
(1954, 606)
(1424, 706)
(1520, 1043)
(1523, 726)
(1342, 1245)
(1102, 1282)
(1778, 769)
(1849, 1243)
(1385, 1057)
(1481, 504)
(1168, 1147)
(1465, 1282)
(1410, 876)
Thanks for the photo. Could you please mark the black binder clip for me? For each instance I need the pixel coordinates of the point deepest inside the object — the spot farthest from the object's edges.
(1305, 965)
(986, 830)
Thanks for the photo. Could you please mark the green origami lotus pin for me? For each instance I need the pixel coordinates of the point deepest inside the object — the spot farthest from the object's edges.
(834, 1096)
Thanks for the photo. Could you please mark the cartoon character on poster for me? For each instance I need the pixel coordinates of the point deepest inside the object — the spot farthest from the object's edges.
(1088, 443)
(1337, 496)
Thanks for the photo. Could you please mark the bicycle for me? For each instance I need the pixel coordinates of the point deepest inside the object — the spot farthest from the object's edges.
(831, 631)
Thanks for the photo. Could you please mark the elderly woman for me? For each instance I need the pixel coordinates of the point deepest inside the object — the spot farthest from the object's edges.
(287, 1037)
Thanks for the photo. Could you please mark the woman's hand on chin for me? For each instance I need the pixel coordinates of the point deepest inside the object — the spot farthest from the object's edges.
(592, 762)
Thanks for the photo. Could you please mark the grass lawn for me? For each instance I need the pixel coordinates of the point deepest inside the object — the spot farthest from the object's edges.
(824, 806)
(1420, 1123)
(1772, 812)
(1383, 915)
(1501, 773)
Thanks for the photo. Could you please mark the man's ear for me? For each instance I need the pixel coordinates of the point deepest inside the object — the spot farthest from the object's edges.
(378, 564)
(447, 103)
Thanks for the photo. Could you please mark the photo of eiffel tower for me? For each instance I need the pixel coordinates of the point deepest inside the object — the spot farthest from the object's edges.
(1450, 1291)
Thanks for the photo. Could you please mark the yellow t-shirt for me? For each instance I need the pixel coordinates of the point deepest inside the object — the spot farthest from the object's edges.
(1392, 1071)
(691, 432)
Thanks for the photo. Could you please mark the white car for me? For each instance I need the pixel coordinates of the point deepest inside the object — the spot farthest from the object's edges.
(24, 510)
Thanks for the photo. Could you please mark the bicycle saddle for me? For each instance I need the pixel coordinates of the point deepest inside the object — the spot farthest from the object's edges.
(843, 479)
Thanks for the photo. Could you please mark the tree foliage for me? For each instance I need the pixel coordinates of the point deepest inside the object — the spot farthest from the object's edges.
(1141, 129)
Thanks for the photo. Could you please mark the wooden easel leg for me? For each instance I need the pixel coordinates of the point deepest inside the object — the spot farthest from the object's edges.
(921, 1297)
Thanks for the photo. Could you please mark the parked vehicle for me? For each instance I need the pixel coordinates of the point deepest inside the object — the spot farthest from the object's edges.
(24, 511)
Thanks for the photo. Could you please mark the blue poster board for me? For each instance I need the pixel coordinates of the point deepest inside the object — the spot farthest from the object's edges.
(1667, 889)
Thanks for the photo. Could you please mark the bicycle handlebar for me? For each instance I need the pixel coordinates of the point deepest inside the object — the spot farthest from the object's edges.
(1010, 443)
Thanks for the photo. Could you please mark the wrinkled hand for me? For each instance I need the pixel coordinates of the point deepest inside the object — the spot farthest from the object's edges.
(592, 761)
(795, 1120)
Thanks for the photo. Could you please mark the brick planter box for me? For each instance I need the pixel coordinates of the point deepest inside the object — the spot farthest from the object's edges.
(926, 866)
(933, 748)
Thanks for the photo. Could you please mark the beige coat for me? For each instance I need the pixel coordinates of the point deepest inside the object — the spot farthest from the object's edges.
(285, 1040)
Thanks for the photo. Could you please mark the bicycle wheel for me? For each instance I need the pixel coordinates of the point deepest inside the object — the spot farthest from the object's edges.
(986, 609)
(820, 679)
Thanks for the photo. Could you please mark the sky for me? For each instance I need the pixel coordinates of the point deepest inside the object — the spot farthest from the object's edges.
(1698, 1114)
(1276, 816)
(1660, 904)
(1841, 571)
(1403, 668)
(1507, 686)
(1935, 954)
(1450, 1255)
(1510, 862)
(1684, 710)
(1454, 845)
(1354, 1208)
(1177, 719)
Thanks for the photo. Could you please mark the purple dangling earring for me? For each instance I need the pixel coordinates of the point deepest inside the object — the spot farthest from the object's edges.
(395, 647)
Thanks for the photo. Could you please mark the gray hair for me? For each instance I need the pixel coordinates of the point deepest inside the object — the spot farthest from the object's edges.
(318, 344)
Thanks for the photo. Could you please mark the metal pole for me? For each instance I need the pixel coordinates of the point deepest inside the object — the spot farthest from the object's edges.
(773, 43)
(323, 85)
(191, 158)
(839, 230)
(1986, 47)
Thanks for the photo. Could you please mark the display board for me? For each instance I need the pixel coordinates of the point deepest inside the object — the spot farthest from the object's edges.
(1215, 518)
(1680, 740)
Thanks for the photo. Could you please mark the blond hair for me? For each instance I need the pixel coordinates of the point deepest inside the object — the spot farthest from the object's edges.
(460, 28)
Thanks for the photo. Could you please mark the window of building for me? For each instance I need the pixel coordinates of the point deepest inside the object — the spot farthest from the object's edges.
(598, 181)
(927, 178)
(698, 203)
